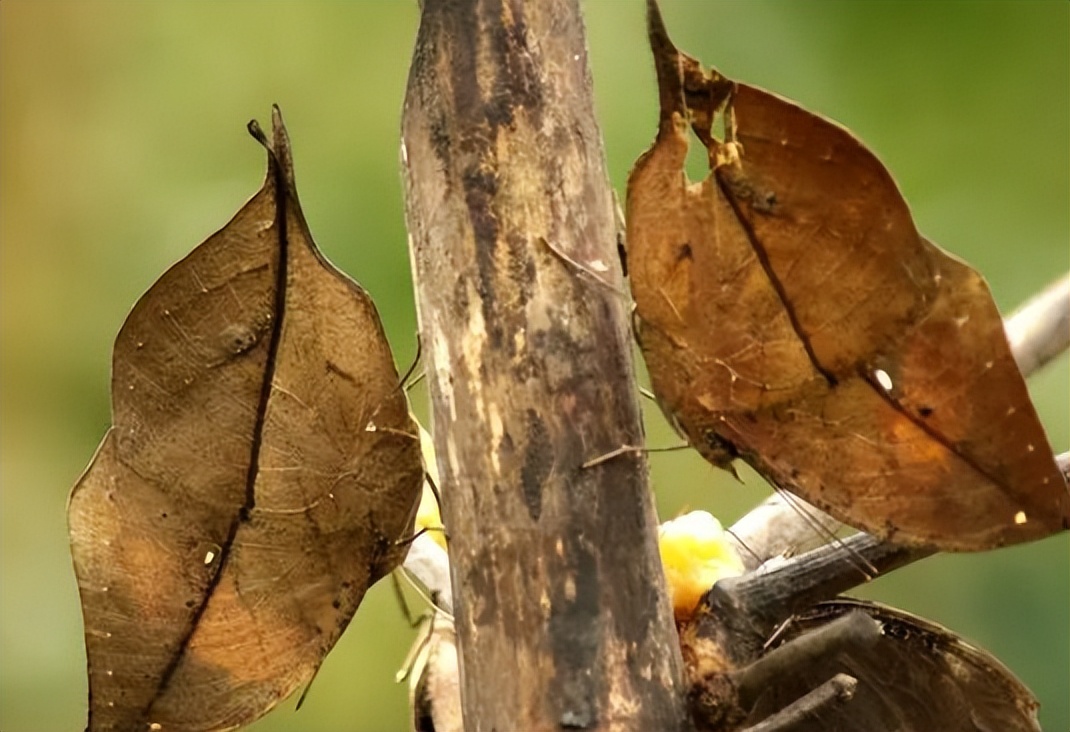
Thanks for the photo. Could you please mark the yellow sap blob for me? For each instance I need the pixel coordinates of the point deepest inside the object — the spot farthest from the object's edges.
(695, 552)
(427, 515)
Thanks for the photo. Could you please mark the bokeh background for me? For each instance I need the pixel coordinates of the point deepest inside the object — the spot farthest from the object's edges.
(124, 145)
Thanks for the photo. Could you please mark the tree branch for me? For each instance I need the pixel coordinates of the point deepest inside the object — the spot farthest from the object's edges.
(561, 614)
(837, 690)
(1039, 330)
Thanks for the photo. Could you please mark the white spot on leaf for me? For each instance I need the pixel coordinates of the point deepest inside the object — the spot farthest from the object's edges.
(883, 379)
(1020, 518)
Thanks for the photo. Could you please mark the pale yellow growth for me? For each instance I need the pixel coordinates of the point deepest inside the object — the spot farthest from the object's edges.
(695, 552)
(427, 516)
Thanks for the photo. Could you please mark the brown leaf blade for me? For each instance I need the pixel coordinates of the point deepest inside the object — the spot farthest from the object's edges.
(260, 471)
(790, 314)
(917, 676)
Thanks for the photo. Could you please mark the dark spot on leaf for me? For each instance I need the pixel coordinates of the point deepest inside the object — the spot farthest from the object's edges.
(764, 202)
(239, 338)
(333, 368)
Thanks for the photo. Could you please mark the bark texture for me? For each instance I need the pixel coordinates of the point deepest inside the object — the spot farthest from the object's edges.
(562, 618)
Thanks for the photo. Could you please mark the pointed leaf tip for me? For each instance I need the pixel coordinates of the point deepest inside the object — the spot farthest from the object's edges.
(667, 65)
(656, 25)
(282, 147)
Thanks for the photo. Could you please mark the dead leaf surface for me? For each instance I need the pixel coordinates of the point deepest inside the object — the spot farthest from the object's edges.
(260, 471)
(918, 677)
(790, 314)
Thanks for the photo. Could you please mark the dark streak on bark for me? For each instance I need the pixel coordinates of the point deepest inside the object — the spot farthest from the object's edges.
(538, 462)
(480, 189)
(561, 614)
(571, 645)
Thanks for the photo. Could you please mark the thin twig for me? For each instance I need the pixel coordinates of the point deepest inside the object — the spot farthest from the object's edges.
(1039, 330)
(837, 690)
(854, 631)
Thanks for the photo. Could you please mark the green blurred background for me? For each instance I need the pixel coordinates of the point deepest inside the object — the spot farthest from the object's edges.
(124, 145)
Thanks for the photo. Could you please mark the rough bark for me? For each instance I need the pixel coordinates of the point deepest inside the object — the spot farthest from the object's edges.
(561, 613)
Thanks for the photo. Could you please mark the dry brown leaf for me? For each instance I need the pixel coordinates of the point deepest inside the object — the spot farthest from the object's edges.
(260, 472)
(917, 677)
(790, 314)
(905, 674)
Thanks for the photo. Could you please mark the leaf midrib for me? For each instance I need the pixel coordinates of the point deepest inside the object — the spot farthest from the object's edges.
(244, 512)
